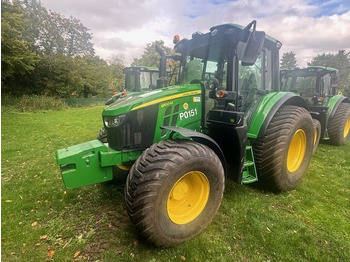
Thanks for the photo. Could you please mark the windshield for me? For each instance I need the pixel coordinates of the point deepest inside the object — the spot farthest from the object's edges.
(257, 76)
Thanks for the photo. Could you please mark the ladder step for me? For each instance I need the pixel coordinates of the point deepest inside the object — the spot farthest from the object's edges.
(249, 173)
(248, 163)
(248, 179)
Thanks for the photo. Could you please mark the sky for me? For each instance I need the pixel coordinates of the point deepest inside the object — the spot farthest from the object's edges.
(123, 28)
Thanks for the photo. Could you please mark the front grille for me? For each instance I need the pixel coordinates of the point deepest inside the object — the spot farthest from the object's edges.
(137, 130)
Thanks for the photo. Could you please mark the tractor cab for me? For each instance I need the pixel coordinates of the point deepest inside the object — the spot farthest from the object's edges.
(140, 78)
(235, 65)
(316, 84)
(137, 79)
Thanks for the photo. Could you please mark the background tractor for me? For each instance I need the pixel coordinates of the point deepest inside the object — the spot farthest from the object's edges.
(225, 118)
(330, 111)
(137, 79)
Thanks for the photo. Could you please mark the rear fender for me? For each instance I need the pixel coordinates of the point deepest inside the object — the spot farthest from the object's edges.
(334, 103)
(268, 107)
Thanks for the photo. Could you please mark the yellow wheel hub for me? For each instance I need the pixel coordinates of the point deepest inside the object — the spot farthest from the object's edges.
(123, 167)
(188, 197)
(296, 151)
(347, 127)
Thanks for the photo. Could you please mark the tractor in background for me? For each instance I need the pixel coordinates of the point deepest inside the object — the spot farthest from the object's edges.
(330, 111)
(225, 118)
(137, 79)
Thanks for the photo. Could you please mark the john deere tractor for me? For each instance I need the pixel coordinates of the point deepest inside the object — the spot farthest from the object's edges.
(330, 111)
(225, 118)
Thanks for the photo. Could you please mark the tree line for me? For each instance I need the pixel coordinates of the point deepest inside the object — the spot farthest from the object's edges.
(46, 53)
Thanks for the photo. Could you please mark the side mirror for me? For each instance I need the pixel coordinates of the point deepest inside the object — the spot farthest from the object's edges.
(253, 47)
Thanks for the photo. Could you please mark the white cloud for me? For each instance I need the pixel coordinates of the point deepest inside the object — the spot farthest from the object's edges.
(123, 28)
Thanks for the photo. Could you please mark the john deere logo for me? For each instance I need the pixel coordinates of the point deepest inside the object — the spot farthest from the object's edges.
(185, 106)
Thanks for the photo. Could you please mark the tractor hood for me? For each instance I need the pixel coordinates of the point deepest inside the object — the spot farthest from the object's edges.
(135, 122)
(135, 101)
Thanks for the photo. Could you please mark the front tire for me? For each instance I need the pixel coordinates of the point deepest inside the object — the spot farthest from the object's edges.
(174, 190)
(339, 125)
(120, 173)
(284, 152)
(102, 135)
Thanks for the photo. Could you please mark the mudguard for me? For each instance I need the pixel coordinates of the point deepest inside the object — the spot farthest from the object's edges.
(267, 108)
(334, 102)
(200, 138)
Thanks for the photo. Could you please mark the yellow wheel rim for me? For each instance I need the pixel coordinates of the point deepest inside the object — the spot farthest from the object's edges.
(315, 136)
(123, 167)
(347, 127)
(296, 151)
(188, 197)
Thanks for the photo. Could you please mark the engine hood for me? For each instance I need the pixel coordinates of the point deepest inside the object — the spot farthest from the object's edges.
(135, 101)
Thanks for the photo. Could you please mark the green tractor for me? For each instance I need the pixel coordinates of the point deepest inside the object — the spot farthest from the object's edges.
(137, 79)
(330, 111)
(225, 118)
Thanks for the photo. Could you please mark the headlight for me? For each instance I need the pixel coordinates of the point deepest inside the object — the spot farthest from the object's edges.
(113, 121)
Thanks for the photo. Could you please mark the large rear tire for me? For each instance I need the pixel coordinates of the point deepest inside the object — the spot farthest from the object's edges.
(339, 125)
(174, 190)
(284, 152)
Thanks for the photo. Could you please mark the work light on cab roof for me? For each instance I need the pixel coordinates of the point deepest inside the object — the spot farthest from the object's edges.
(176, 39)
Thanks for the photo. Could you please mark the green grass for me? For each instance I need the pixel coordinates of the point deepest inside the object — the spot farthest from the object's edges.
(41, 220)
(32, 103)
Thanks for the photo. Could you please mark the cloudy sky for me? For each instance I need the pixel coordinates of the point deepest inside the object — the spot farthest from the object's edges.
(124, 27)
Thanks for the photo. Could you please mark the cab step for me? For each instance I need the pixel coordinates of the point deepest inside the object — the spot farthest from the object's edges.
(249, 172)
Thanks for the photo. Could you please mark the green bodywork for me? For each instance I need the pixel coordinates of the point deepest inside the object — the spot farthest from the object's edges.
(263, 109)
(333, 102)
(91, 162)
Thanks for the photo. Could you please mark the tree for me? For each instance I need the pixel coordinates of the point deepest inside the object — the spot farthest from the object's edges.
(116, 65)
(65, 76)
(340, 61)
(52, 33)
(150, 57)
(96, 76)
(16, 59)
(289, 61)
(45, 53)
(57, 76)
(76, 38)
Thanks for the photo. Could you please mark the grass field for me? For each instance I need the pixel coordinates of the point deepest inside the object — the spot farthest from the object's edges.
(42, 221)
